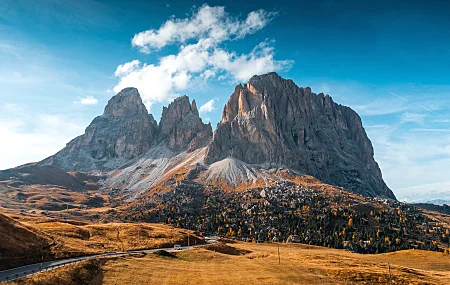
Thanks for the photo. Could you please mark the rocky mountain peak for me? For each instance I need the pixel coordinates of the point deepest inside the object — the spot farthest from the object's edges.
(182, 127)
(270, 120)
(127, 102)
(124, 131)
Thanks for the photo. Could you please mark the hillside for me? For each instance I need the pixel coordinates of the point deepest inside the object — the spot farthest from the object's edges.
(306, 210)
(21, 244)
(249, 263)
(298, 265)
(26, 240)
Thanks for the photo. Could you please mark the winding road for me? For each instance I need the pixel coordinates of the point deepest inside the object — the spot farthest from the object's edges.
(23, 271)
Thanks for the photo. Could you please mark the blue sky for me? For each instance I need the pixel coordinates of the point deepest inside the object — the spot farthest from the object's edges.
(61, 61)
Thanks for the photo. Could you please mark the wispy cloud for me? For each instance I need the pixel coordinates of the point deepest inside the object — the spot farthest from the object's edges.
(417, 104)
(434, 130)
(441, 120)
(409, 117)
(381, 106)
(32, 137)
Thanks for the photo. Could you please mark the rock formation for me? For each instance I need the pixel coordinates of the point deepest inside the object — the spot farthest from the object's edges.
(124, 131)
(272, 121)
(268, 123)
(182, 127)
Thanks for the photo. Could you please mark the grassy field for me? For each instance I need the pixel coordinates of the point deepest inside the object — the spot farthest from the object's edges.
(248, 263)
(86, 272)
(97, 238)
(300, 264)
(26, 240)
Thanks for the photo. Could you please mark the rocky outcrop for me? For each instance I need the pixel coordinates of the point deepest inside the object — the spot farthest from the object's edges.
(124, 131)
(181, 126)
(269, 123)
(271, 120)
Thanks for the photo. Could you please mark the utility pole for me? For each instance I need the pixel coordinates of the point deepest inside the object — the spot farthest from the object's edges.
(139, 232)
(390, 277)
(189, 235)
(279, 262)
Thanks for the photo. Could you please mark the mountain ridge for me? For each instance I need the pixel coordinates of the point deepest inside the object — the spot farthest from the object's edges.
(269, 123)
(272, 120)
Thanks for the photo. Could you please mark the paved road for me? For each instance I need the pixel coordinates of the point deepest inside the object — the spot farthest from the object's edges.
(19, 272)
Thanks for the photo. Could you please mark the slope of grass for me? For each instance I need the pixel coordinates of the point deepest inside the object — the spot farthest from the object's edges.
(84, 273)
(300, 264)
(31, 240)
(20, 244)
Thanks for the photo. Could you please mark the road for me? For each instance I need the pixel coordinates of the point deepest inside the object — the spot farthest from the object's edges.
(20, 272)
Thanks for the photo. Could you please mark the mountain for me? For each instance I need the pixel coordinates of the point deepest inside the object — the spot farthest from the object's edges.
(182, 127)
(271, 131)
(31, 174)
(124, 131)
(272, 121)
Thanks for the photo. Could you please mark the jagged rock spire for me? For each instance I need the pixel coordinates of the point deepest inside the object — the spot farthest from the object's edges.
(182, 127)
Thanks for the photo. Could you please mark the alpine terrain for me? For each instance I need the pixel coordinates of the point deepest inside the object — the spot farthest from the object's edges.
(269, 124)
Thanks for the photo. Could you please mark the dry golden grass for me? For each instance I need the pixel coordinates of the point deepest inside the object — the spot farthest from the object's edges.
(300, 264)
(41, 199)
(20, 244)
(86, 272)
(98, 238)
(27, 240)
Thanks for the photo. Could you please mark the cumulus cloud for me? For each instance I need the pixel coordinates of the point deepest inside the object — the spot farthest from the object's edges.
(88, 100)
(200, 56)
(126, 68)
(206, 22)
(208, 107)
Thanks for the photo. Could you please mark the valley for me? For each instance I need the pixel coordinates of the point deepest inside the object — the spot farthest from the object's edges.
(250, 263)
(284, 166)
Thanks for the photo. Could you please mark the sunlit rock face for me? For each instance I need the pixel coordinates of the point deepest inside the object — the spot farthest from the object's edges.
(270, 120)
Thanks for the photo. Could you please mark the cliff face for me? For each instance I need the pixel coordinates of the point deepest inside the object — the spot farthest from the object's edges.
(268, 123)
(271, 120)
(124, 131)
(182, 127)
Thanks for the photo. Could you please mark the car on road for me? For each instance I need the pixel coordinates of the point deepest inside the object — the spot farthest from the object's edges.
(177, 247)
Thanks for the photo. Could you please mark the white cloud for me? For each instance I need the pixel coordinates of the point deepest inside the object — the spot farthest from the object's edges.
(200, 60)
(381, 106)
(426, 192)
(441, 120)
(409, 117)
(206, 22)
(208, 107)
(88, 100)
(32, 138)
(124, 69)
(409, 159)
(430, 130)
(242, 67)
